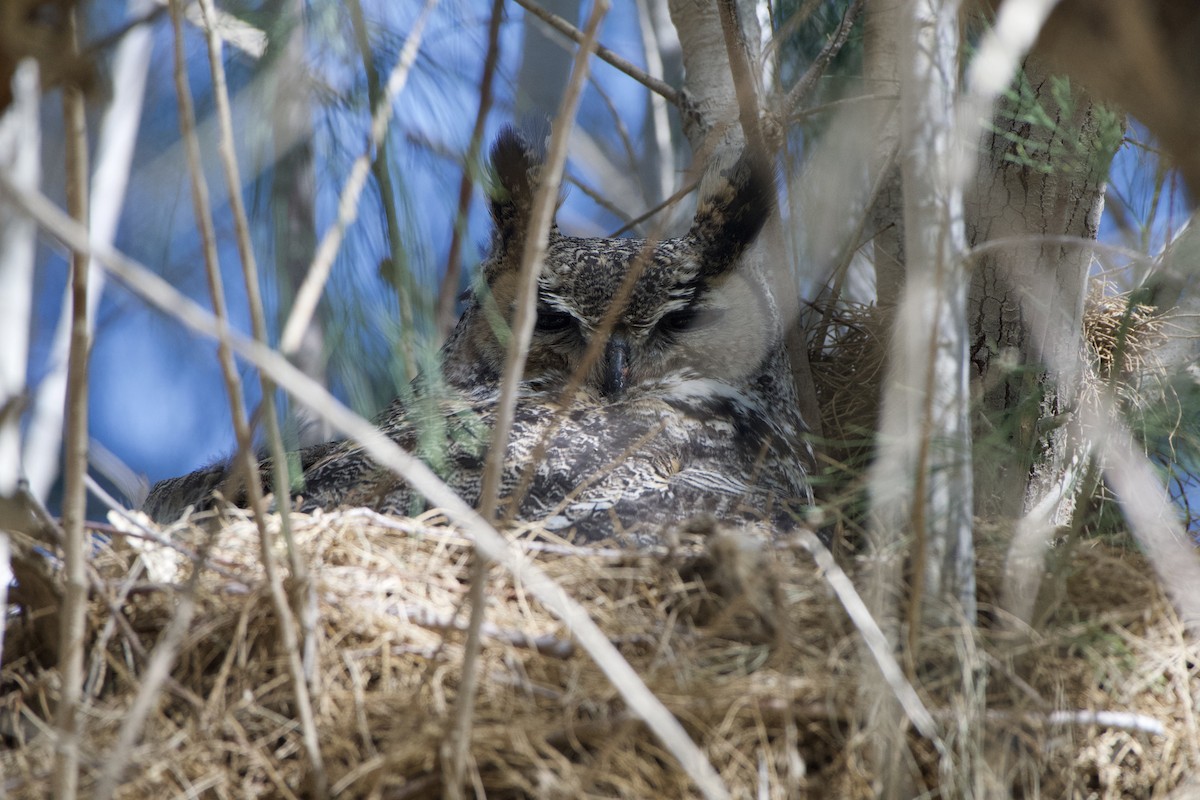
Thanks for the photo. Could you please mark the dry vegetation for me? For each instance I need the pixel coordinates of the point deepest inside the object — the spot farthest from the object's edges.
(757, 658)
(743, 640)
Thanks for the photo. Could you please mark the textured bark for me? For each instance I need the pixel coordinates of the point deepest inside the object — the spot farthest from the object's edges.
(881, 75)
(1039, 176)
(1140, 54)
(710, 97)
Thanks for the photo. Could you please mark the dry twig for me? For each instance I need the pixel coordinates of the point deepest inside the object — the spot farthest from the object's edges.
(541, 218)
(448, 289)
(200, 202)
(270, 415)
(318, 272)
(74, 504)
(603, 53)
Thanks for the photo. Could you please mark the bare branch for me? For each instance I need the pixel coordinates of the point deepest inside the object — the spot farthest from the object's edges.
(448, 290)
(536, 241)
(457, 745)
(74, 504)
(398, 273)
(603, 53)
(546, 645)
(873, 637)
(302, 585)
(200, 201)
(800, 90)
(114, 155)
(318, 272)
(20, 145)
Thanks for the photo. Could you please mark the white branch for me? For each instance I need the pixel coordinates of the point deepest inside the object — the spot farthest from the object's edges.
(114, 154)
(20, 146)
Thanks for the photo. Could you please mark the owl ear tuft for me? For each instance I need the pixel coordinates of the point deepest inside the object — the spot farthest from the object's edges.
(735, 199)
(515, 165)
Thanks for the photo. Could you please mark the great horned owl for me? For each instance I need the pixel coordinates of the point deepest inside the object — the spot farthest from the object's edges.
(688, 410)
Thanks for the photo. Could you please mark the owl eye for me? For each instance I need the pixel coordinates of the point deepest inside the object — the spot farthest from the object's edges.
(689, 319)
(551, 321)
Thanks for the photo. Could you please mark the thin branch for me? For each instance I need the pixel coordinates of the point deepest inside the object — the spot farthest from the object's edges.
(270, 415)
(545, 645)
(250, 40)
(800, 90)
(745, 82)
(603, 53)
(398, 273)
(536, 242)
(448, 289)
(113, 157)
(873, 637)
(318, 272)
(688, 188)
(20, 151)
(74, 503)
(457, 746)
(200, 201)
(596, 196)
(160, 294)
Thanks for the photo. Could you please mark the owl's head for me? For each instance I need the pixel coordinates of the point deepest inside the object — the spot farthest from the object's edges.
(644, 312)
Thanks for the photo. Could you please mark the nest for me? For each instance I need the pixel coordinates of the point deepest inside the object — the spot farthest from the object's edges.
(742, 640)
(848, 359)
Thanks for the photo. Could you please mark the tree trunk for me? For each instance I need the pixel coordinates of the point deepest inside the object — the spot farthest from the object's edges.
(711, 108)
(1041, 174)
(1041, 178)
(881, 75)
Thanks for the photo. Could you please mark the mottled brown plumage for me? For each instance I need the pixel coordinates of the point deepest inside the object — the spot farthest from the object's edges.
(688, 409)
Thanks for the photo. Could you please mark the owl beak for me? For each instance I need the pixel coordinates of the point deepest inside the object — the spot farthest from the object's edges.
(616, 367)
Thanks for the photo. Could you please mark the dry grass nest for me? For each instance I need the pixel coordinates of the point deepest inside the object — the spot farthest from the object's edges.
(742, 640)
(1122, 340)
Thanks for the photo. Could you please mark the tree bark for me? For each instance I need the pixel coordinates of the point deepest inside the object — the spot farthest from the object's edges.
(711, 111)
(881, 76)
(1041, 174)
